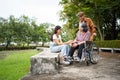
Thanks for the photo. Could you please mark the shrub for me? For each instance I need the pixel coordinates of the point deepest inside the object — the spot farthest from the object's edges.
(108, 43)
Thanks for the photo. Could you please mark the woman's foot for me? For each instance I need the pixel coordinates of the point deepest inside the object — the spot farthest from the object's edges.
(65, 62)
(62, 60)
(68, 58)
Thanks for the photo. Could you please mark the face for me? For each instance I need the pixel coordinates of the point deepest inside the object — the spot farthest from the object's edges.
(59, 31)
(81, 18)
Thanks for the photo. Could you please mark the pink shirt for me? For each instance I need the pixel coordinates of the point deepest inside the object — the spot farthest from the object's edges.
(82, 36)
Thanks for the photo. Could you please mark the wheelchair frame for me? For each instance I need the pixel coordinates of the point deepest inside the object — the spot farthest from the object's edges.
(90, 53)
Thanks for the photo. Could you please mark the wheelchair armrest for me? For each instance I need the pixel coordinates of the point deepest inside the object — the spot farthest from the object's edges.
(88, 42)
(88, 45)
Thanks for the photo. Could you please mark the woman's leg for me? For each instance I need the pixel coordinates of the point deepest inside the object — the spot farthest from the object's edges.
(55, 49)
(65, 50)
(80, 50)
(72, 50)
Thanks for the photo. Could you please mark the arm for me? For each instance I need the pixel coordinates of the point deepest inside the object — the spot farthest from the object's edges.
(68, 42)
(59, 42)
(93, 30)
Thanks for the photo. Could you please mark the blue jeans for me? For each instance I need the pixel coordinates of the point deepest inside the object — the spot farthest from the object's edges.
(63, 49)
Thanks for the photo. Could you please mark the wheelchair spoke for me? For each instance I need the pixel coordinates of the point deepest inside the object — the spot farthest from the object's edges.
(94, 54)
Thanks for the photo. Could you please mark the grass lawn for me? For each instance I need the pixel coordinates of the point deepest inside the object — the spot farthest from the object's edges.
(15, 64)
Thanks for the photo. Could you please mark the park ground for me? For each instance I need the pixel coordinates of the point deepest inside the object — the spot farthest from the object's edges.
(108, 68)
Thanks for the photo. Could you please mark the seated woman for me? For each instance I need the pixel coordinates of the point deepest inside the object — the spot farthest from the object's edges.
(56, 45)
(82, 35)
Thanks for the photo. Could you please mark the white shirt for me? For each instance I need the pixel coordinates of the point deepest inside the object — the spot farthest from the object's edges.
(56, 37)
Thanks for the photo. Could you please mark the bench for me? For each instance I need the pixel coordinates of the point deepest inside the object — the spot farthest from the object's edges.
(111, 49)
(100, 49)
(116, 49)
(44, 62)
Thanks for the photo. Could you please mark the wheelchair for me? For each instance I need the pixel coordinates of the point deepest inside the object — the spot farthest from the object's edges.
(90, 53)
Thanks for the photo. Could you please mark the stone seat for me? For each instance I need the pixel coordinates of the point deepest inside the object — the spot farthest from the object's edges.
(44, 62)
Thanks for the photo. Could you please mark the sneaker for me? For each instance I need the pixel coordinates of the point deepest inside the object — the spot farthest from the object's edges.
(77, 59)
(83, 59)
(69, 59)
(65, 62)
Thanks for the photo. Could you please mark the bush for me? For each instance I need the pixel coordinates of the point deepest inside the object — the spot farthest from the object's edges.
(108, 43)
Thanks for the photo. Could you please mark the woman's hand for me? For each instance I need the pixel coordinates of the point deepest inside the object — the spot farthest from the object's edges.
(92, 36)
(69, 42)
(74, 45)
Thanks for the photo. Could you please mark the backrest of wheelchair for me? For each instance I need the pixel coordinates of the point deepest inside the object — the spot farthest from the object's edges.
(88, 45)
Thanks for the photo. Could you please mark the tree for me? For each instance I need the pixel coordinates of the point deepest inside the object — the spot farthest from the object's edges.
(23, 30)
(6, 31)
(103, 12)
(2, 29)
(44, 32)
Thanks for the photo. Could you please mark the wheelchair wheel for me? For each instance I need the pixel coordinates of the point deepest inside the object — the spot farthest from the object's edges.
(86, 57)
(94, 54)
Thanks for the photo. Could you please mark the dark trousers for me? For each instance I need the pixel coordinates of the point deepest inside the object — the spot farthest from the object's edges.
(72, 50)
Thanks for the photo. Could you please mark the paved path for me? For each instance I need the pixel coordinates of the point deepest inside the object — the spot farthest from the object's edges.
(108, 68)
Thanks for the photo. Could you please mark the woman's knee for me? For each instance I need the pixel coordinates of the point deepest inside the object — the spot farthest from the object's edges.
(65, 46)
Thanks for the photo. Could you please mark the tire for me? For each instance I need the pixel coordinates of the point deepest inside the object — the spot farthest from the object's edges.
(87, 58)
(94, 54)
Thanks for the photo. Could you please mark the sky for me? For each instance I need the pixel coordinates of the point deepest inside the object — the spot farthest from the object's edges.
(41, 10)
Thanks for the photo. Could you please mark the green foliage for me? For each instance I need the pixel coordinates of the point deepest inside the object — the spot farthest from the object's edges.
(108, 43)
(45, 31)
(16, 64)
(68, 33)
(23, 30)
(103, 12)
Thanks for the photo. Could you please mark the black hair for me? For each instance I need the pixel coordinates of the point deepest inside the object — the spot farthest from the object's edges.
(84, 26)
(55, 31)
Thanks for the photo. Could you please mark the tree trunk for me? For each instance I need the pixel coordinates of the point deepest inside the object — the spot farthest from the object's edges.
(8, 43)
(42, 44)
(97, 20)
(98, 27)
(114, 35)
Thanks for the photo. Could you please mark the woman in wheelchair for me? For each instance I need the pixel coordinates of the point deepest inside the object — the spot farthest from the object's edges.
(82, 35)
